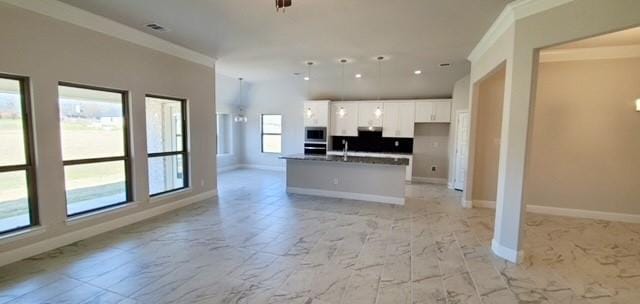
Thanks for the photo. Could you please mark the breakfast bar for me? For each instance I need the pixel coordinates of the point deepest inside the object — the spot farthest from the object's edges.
(375, 179)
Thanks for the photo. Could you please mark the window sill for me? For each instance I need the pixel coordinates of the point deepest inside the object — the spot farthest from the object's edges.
(169, 195)
(21, 234)
(100, 213)
(225, 154)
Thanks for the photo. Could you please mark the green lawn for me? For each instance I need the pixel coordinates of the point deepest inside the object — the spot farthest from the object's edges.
(81, 140)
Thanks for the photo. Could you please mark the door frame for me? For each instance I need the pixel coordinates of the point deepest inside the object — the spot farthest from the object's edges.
(455, 146)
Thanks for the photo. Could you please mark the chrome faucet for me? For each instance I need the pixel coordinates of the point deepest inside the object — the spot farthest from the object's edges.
(345, 150)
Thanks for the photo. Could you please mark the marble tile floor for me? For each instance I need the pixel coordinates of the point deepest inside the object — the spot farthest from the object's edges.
(256, 244)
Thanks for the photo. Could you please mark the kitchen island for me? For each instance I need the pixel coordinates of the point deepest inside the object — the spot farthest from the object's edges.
(376, 179)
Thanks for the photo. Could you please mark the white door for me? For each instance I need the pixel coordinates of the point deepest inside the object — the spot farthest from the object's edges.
(406, 119)
(424, 111)
(390, 120)
(462, 150)
(441, 111)
(370, 114)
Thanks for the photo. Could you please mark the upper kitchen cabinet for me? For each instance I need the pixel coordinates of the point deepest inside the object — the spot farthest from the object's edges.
(344, 119)
(398, 119)
(437, 110)
(316, 113)
(370, 114)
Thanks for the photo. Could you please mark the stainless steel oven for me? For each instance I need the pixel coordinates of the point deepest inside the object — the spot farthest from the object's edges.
(315, 135)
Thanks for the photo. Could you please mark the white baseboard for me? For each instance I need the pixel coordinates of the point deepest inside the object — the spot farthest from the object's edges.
(589, 214)
(263, 167)
(508, 254)
(467, 204)
(450, 186)
(348, 195)
(579, 213)
(228, 168)
(430, 180)
(74, 236)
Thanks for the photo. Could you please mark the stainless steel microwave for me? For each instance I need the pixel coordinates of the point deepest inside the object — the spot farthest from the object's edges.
(315, 134)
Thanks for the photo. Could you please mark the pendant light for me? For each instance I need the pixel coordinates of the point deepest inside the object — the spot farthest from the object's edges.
(308, 112)
(240, 118)
(378, 111)
(342, 112)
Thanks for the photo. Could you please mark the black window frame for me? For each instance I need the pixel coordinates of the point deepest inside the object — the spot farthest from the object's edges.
(262, 133)
(185, 145)
(28, 167)
(127, 149)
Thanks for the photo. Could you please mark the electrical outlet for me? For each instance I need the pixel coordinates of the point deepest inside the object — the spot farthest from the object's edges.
(434, 168)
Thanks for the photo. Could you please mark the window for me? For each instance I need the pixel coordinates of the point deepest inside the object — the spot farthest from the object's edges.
(166, 144)
(95, 147)
(18, 207)
(271, 133)
(223, 132)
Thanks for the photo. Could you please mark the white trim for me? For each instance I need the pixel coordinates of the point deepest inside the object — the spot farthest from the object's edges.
(228, 168)
(450, 186)
(578, 213)
(262, 167)
(18, 254)
(594, 53)
(71, 14)
(589, 214)
(22, 234)
(508, 254)
(430, 180)
(348, 195)
(467, 204)
(100, 213)
(512, 12)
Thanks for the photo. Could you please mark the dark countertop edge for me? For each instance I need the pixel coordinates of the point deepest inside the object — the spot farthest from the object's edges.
(389, 153)
(363, 160)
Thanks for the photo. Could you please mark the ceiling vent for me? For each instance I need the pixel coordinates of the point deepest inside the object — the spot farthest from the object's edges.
(157, 27)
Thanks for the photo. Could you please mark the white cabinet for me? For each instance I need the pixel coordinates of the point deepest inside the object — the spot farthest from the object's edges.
(344, 119)
(370, 114)
(398, 119)
(433, 111)
(316, 113)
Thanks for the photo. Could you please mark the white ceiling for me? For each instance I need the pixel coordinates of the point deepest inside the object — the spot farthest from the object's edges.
(250, 40)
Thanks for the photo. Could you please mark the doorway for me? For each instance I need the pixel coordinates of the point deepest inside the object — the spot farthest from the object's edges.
(462, 150)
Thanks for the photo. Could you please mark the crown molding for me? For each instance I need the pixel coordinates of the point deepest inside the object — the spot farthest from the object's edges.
(594, 53)
(71, 14)
(512, 12)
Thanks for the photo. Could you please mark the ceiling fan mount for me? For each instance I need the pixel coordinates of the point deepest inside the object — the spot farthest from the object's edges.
(282, 5)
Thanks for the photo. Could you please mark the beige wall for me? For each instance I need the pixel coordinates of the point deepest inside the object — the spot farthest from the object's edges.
(430, 148)
(48, 51)
(487, 134)
(584, 146)
(517, 47)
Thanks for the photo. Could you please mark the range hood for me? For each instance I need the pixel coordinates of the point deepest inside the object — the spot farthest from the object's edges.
(370, 129)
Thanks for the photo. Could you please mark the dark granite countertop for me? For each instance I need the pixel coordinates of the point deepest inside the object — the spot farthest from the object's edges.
(366, 152)
(351, 159)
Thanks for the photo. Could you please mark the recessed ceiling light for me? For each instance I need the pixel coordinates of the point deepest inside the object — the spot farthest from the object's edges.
(417, 72)
(444, 65)
(358, 75)
(306, 78)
